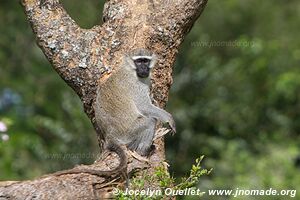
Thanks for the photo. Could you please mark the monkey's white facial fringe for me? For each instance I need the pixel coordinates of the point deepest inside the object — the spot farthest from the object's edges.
(143, 57)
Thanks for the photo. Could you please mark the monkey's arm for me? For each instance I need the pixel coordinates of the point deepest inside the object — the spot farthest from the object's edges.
(159, 114)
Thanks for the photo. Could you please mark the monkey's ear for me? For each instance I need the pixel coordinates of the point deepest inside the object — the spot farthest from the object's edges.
(129, 62)
(153, 61)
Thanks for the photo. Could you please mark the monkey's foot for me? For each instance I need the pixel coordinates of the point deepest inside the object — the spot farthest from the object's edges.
(138, 156)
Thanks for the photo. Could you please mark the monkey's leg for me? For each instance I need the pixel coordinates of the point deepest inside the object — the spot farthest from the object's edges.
(142, 143)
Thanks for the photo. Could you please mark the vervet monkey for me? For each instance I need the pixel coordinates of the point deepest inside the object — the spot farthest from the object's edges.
(123, 108)
(124, 112)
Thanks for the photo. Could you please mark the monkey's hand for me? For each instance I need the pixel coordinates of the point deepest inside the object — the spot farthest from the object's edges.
(172, 125)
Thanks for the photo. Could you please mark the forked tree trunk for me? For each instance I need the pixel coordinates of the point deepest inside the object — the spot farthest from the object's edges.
(82, 56)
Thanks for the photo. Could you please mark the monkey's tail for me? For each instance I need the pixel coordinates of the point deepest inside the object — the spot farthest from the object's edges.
(121, 168)
(113, 147)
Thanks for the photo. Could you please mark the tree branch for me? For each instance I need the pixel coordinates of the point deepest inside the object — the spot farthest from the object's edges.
(77, 186)
(71, 50)
(82, 56)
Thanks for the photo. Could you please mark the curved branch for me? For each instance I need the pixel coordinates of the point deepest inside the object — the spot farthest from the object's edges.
(68, 47)
(81, 56)
(77, 186)
(55, 30)
(75, 53)
(192, 10)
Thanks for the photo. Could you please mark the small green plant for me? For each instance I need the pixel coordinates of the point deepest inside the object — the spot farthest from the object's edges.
(144, 188)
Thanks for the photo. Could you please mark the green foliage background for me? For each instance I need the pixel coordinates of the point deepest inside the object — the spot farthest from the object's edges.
(235, 98)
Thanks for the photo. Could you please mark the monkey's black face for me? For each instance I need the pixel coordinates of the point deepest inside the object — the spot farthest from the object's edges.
(142, 67)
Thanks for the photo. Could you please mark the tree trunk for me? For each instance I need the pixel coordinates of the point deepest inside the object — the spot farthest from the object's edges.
(82, 56)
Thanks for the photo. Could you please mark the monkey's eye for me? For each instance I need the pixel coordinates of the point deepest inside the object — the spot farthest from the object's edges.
(142, 61)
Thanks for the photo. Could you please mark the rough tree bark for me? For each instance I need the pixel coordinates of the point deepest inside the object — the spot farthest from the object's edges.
(82, 57)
